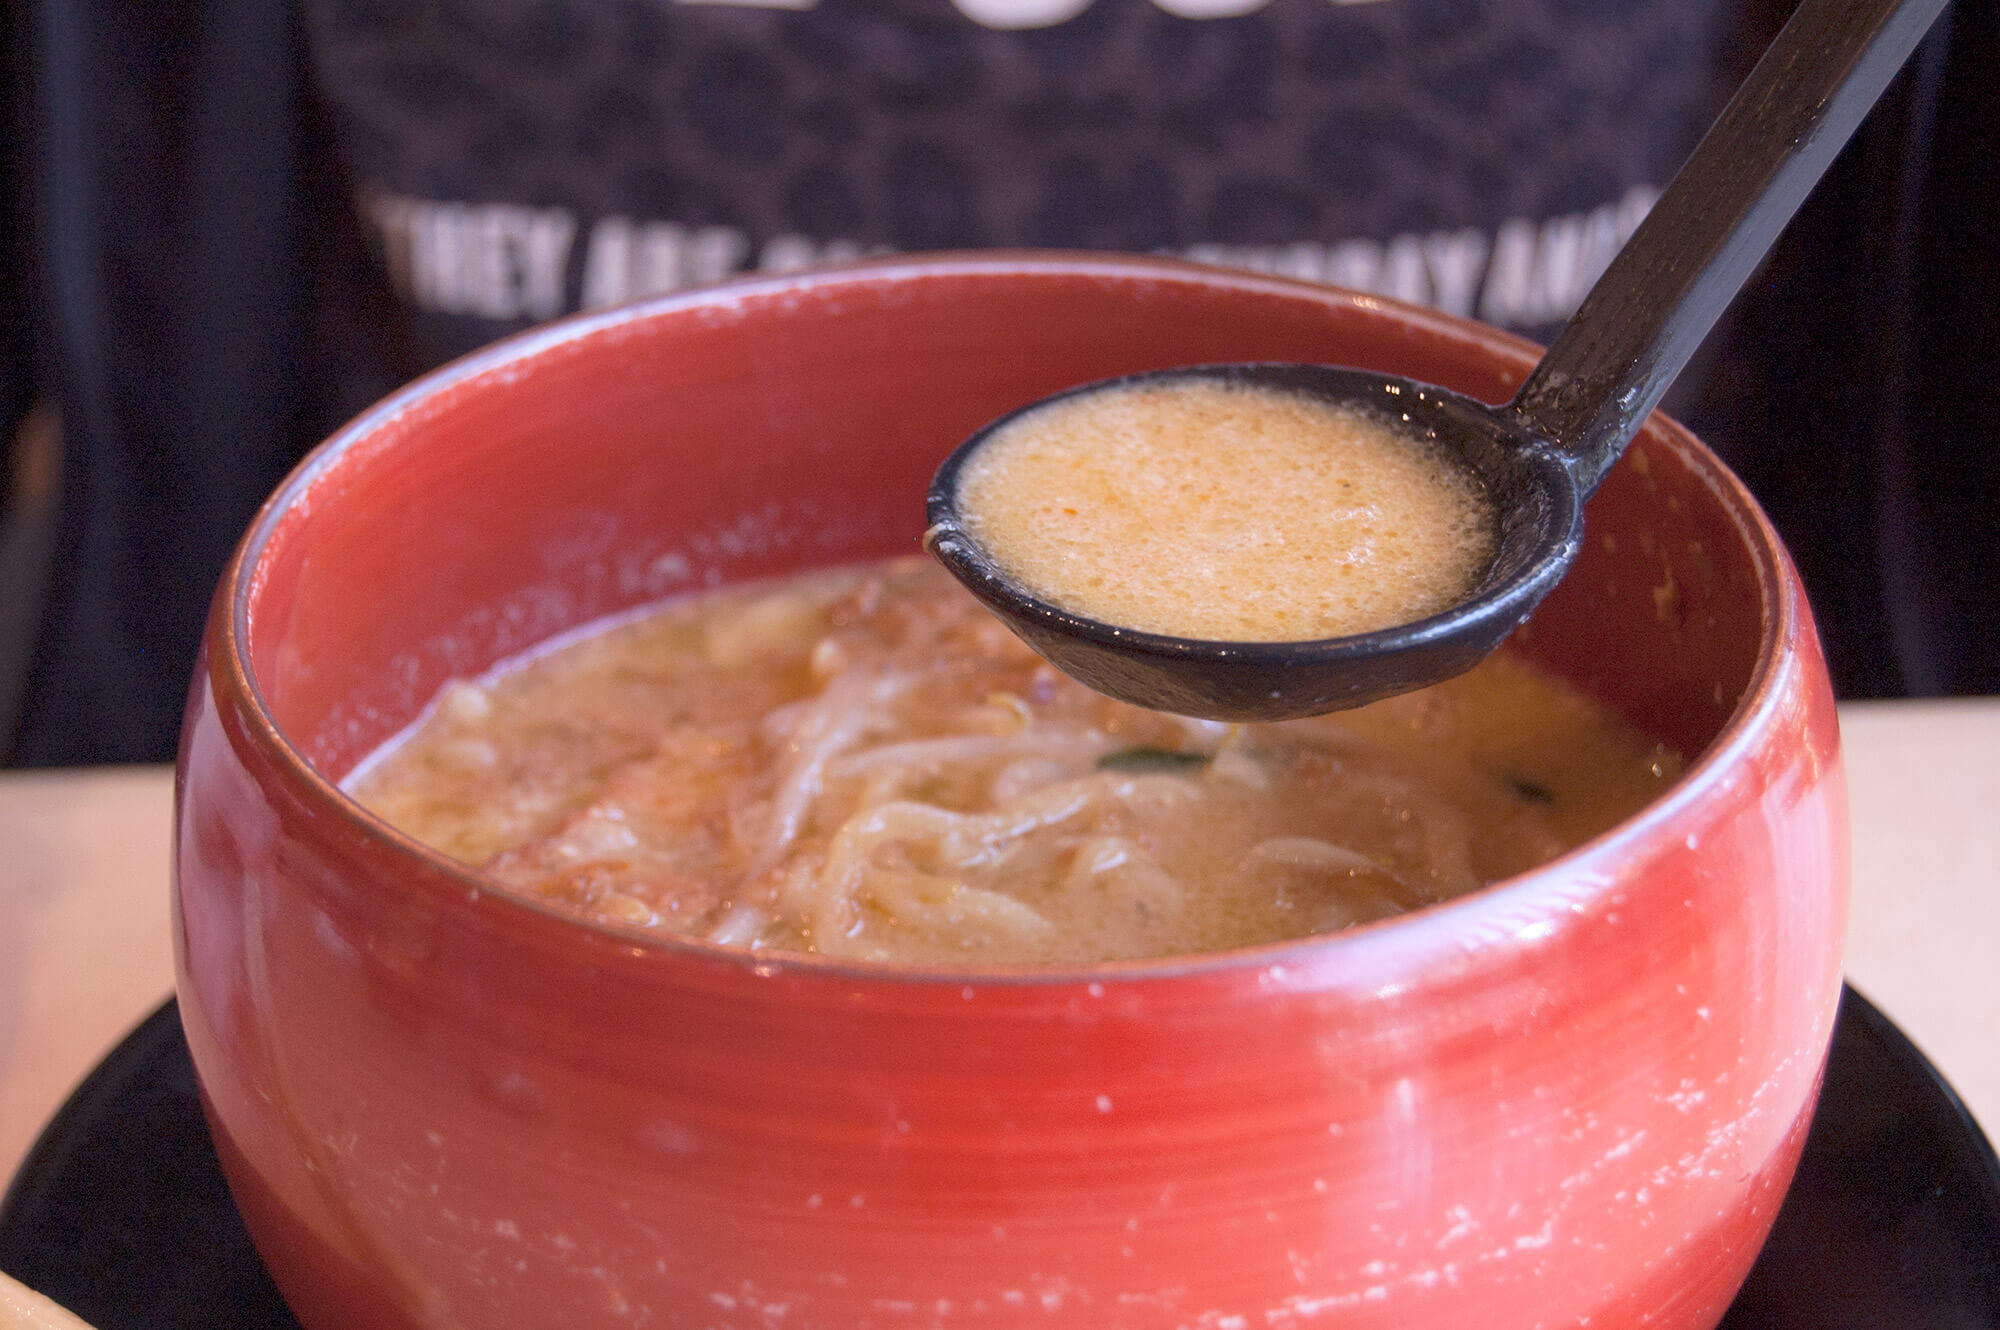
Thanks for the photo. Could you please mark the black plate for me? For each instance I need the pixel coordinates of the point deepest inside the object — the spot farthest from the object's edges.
(1893, 1223)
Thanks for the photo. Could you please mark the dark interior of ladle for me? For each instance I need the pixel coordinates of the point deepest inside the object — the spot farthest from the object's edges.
(1537, 457)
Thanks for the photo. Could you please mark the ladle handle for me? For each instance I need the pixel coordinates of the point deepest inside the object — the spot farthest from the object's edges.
(1705, 235)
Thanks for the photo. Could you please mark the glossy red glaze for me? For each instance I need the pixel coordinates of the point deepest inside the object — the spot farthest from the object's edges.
(1573, 1098)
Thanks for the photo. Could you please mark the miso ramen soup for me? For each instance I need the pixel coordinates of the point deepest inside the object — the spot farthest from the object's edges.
(864, 763)
(1226, 511)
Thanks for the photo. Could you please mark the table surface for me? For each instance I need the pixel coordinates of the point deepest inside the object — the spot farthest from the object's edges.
(84, 951)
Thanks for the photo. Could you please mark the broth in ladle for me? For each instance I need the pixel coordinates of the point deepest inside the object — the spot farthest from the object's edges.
(1225, 511)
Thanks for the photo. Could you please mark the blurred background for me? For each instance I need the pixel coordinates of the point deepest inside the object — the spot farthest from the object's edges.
(227, 226)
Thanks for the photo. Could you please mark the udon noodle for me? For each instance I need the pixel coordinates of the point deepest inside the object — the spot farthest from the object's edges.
(864, 763)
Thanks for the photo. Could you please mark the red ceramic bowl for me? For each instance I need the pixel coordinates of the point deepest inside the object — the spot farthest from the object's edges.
(1572, 1098)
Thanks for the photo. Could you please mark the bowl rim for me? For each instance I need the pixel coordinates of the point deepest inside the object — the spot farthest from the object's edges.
(1521, 907)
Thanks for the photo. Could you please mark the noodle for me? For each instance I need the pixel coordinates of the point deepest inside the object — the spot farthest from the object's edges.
(865, 764)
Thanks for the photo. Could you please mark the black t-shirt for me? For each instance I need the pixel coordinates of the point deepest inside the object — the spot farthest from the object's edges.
(518, 160)
(250, 222)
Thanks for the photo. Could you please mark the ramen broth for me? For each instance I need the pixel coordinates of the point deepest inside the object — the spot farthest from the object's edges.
(866, 764)
(1226, 511)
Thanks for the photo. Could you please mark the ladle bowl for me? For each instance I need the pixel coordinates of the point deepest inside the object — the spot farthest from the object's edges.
(1536, 499)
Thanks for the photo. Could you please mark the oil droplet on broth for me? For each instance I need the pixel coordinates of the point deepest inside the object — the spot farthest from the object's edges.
(1228, 512)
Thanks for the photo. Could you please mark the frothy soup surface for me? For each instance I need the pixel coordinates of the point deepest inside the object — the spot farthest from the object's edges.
(867, 764)
(1227, 512)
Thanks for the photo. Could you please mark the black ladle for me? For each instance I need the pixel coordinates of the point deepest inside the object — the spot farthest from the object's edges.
(1542, 454)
